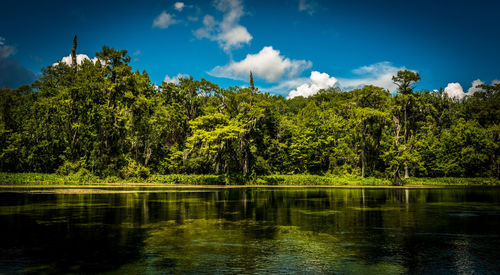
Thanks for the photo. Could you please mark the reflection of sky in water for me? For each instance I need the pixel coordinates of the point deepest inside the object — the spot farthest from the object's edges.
(253, 230)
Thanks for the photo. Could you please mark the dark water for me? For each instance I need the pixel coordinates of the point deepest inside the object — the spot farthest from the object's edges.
(253, 230)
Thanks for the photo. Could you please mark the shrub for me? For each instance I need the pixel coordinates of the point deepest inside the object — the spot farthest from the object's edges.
(133, 169)
(68, 168)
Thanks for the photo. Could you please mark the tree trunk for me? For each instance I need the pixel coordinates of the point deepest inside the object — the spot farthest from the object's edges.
(406, 135)
(498, 169)
(397, 179)
(245, 165)
(252, 87)
(363, 163)
(148, 156)
(73, 54)
(405, 123)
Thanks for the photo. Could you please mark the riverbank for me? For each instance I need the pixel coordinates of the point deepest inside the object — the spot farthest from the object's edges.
(39, 179)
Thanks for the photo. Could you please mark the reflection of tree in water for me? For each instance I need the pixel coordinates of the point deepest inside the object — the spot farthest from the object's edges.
(254, 230)
(425, 237)
(378, 225)
(265, 218)
(67, 233)
(218, 245)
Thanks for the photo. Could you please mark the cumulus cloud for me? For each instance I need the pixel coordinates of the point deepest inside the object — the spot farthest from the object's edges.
(307, 6)
(475, 87)
(317, 81)
(6, 50)
(68, 60)
(267, 64)
(285, 86)
(79, 60)
(175, 79)
(179, 6)
(164, 20)
(378, 74)
(454, 90)
(228, 32)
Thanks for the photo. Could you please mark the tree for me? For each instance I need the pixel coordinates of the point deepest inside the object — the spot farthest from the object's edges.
(405, 81)
(215, 144)
(105, 119)
(73, 55)
(369, 116)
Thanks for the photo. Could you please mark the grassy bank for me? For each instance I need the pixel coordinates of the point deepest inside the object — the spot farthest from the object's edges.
(277, 180)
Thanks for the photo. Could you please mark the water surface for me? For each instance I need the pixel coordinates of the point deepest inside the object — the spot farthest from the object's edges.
(252, 230)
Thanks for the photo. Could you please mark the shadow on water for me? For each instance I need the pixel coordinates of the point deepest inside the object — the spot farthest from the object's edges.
(247, 230)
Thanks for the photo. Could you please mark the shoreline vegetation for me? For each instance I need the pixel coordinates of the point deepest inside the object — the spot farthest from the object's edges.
(103, 122)
(42, 179)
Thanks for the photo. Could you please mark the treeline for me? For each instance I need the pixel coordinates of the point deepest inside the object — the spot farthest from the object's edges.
(105, 119)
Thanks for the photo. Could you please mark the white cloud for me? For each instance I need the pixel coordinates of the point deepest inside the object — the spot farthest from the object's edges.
(474, 88)
(228, 32)
(307, 6)
(454, 90)
(6, 50)
(209, 21)
(68, 61)
(285, 86)
(179, 6)
(209, 24)
(268, 64)
(175, 79)
(233, 37)
(378, 74)
(164, 20)
(79, 60)
(317, 81)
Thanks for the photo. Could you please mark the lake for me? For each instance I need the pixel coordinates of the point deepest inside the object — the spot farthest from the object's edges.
(252, 230)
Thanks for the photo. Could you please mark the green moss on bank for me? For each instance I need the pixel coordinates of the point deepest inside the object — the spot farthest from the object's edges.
(277, 180)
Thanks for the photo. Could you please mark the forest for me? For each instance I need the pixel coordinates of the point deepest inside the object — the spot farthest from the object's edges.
(105, 119)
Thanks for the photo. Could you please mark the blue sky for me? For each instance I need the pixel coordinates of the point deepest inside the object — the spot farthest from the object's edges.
(293, 47)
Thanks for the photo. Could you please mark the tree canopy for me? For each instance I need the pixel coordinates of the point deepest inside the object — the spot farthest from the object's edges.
(103, 118)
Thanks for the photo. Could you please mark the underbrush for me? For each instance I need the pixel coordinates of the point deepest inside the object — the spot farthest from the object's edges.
(83, 177)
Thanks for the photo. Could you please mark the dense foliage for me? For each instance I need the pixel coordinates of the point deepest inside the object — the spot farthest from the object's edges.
(105, 119)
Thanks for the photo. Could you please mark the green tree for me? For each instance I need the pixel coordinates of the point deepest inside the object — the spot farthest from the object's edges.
(405, 81)
(369, 116)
